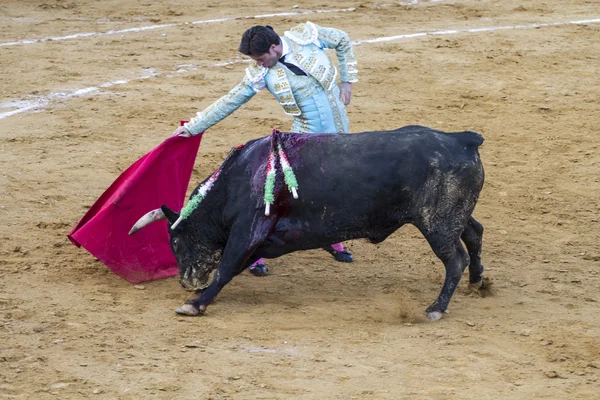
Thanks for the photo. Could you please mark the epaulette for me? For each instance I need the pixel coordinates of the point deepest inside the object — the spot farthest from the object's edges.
(255, 74)
(303, 34)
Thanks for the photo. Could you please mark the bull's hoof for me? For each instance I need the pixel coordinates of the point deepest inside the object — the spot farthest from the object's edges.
(189, 310)
(477, 285)
(434, 315)
(259, 270)
(486, 282)
(482, 288)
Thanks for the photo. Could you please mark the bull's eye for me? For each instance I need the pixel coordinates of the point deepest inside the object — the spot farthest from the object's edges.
(175, 242)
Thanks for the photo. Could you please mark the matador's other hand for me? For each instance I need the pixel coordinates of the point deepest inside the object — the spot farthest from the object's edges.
(183, 132)
(345, 92)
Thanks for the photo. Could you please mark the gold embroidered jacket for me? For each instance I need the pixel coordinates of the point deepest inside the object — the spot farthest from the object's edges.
(308, 42)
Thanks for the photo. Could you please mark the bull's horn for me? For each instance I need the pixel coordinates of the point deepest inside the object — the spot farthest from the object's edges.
(150, 217)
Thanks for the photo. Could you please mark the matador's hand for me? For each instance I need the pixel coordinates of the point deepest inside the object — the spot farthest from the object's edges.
(183, 132)
(345, 92)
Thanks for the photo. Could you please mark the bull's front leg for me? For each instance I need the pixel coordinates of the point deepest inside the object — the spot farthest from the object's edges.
(232, 264)
(235, 257)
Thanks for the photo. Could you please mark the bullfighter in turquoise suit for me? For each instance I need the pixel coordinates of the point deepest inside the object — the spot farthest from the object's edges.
(300, 75)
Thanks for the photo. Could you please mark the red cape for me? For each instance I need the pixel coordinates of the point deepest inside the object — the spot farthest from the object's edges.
(160, 177)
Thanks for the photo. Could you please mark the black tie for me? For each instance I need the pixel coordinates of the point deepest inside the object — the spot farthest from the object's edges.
(292, 67)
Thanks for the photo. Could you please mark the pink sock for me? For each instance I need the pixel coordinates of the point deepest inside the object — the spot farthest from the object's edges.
(338, 247)
(259, 261)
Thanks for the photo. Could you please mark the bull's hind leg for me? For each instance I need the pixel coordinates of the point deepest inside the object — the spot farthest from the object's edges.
(472, 237)
(449, 249)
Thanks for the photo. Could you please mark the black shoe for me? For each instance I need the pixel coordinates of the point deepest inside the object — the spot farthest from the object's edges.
(259, 270)
(341, 256)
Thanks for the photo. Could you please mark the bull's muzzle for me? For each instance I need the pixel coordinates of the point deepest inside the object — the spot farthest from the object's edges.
(192, 282)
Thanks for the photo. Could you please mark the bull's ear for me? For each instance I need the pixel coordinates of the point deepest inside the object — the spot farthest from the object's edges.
(171, 215)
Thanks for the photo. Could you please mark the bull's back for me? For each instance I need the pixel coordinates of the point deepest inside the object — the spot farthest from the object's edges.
(367, 173)
(358, 172)
(406, 153)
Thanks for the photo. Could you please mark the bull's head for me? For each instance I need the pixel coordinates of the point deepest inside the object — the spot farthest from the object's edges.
(195, 259)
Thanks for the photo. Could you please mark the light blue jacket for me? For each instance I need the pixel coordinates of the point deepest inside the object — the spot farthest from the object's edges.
(307, 42)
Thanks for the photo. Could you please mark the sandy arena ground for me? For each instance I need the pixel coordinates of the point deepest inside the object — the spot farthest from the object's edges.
(314, 329)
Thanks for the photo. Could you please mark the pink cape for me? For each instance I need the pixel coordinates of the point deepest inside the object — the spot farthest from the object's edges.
(160, 177)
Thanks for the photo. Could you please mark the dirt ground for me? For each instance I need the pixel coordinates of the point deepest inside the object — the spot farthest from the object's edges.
(314, 329)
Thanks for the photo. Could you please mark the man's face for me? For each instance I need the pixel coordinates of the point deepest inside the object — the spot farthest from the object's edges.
(269, 59)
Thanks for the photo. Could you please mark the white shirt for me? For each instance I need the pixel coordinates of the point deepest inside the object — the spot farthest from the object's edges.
(286, 50)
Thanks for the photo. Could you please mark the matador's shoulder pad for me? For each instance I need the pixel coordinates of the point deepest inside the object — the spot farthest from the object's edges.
(303, 34)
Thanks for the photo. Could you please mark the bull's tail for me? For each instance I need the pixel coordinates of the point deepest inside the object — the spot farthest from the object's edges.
(470, 138)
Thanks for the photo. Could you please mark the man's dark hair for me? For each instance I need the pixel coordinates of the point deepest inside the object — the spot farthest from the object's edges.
(257, 40)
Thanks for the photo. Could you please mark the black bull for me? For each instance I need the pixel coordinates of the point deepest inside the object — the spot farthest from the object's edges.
(363, 185)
